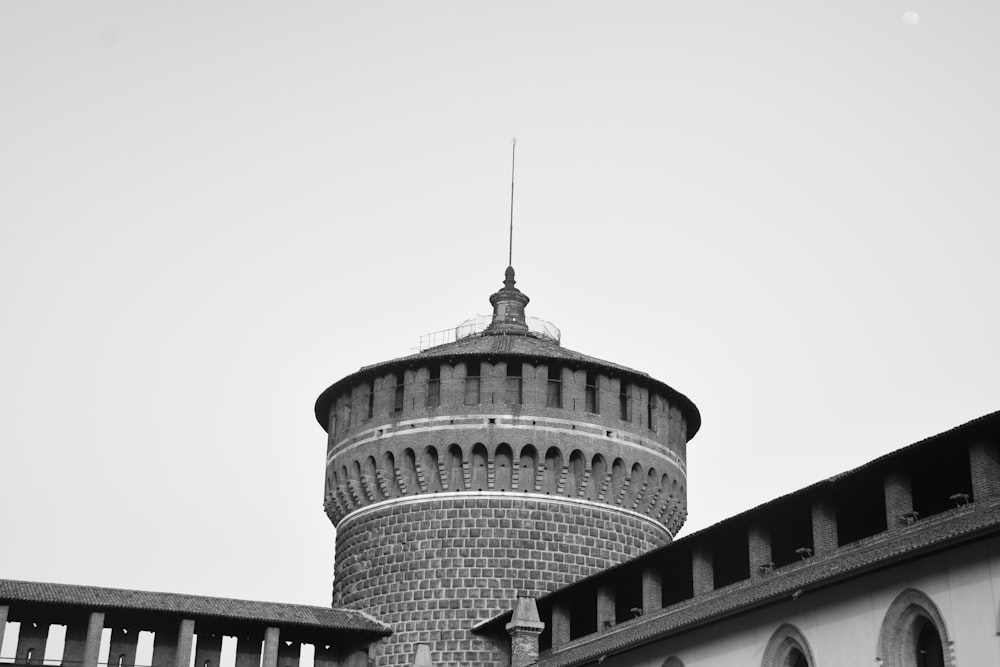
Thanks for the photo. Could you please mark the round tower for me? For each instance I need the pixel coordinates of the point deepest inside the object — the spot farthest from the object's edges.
(494, 465)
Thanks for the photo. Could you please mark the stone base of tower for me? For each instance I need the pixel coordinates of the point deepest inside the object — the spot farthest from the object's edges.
(433, 566)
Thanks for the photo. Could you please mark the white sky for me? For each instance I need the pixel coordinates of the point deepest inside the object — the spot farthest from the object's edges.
(209, 212)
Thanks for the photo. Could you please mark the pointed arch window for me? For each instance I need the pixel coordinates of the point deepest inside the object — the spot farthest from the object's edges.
(914, 634)
(788, 648)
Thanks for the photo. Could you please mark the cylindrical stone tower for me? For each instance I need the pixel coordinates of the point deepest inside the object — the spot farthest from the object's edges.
(497, 465)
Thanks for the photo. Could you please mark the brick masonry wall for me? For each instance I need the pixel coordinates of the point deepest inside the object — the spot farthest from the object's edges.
(434, 568)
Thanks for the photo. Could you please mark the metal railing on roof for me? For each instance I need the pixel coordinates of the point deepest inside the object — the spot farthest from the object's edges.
(475, 326)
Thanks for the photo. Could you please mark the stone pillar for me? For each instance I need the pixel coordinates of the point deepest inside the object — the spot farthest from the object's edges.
(493, 385)
(359, 405)
(524, 628)
(536, 385)
(824, 526)
(4, 614)
(185, 638)
(418, 382)
(248, 651)
(272, 637)
(208, 649)
(759, 545)
(452, 385)
(640, 399)
(652, 589)
(898, 499)
(560, 624)
(605, 607)
(573, 394)
(288, 656)
(92, 647)
(385, 392)
(984, 464)
(702, 573)
(422, 656)
(607, 395)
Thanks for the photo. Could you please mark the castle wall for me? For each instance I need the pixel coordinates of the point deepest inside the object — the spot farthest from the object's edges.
(843, 624)
(434, 566)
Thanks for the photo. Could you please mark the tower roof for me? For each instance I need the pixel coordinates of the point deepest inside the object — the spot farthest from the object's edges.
(508, 335)
(496, 344)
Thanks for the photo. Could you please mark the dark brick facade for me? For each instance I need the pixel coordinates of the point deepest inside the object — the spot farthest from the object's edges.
(434, 568)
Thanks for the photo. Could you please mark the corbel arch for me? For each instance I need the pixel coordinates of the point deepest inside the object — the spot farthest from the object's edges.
(913, 624)
(788, 648)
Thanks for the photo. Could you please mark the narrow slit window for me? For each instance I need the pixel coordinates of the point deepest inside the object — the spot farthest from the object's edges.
(472, 383)
(590, 393)
(651, 412)
(513, 391)
(434, 388)
(624, 400)
(371, 401)
(553, 392)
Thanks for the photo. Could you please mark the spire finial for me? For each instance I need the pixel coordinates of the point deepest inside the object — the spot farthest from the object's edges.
(510, 245)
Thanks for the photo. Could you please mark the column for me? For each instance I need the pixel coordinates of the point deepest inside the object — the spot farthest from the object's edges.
(4, 614)
(652, 589)
(415, 396)
(703, 575)
(185, 639)
(573, 385)
(898, 500)
(824, 526)
(452, 386)
(984, 464)
(759, 545)
(272, 637)
(560, 624)
(605, 607)
(536, 383)
(92, 647)
(524, 628)
(494, 385)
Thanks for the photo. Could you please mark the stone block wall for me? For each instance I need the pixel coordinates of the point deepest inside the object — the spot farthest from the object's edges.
(432, 567)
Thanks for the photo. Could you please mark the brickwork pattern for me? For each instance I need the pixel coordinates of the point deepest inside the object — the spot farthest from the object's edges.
(434, 569)
(380, 447)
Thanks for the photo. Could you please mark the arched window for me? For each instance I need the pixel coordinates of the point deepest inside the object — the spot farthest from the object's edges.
(672, 661)
(914, 634)
(788, 648)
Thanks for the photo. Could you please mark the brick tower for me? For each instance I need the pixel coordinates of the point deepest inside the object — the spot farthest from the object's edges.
(494, 465)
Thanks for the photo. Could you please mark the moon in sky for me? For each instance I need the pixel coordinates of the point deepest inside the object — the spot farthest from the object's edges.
(911, 18)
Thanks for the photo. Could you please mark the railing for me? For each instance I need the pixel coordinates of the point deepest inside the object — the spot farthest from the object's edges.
(476, 325)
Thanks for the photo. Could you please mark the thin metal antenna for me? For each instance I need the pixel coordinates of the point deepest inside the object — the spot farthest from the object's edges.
(510, 246)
